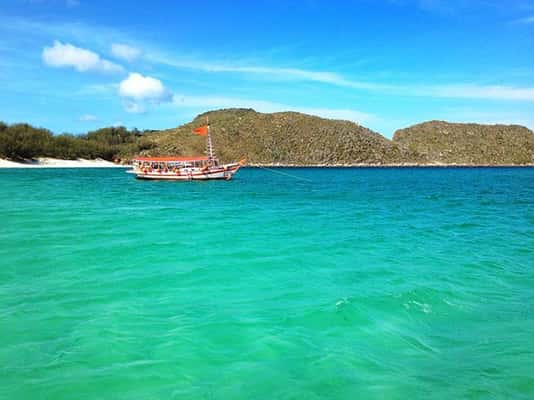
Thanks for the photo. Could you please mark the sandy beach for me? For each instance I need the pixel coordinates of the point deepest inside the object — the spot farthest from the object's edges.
(45, 162)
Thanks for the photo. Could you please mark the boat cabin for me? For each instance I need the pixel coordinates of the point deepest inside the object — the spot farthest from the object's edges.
(166, 164)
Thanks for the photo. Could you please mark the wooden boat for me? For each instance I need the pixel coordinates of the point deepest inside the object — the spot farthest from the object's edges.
(186, 168)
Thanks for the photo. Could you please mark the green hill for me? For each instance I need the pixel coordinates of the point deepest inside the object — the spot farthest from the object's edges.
(453, 143)
(300, 139)
(281, 138)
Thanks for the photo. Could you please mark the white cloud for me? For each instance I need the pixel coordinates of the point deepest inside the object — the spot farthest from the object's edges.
(88, 118)
(140, 91)
(292, 74)
(67, 55)
(472, 91)
(144, 88)
(454, 90)
(464, 90)
(125, 52)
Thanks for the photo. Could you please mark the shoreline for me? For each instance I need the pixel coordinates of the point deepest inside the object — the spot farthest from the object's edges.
(400, 165)
(47, 162)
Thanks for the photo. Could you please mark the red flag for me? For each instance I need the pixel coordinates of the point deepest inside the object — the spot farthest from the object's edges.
(201, 130)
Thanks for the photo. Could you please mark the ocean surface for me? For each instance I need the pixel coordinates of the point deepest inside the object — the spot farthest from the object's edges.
(292, 284)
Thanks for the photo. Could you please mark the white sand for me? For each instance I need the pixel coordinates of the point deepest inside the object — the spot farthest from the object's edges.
(56, 163)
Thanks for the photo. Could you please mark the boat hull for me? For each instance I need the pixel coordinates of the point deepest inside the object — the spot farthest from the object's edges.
(223, 172)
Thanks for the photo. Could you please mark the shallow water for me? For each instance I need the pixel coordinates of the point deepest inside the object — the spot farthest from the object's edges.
(345, 283)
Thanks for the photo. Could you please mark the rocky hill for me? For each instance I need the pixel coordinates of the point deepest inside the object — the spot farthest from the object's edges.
(285, 138)
(282, 138)
(471, 144)
(299, 139)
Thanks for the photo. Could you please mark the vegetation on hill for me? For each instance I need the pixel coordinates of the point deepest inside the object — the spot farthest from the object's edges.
(453, 143)
(285, 138)
(281, 138)
(23, 141)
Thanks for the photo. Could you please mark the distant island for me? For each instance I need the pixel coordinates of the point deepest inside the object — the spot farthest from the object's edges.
(285, 139)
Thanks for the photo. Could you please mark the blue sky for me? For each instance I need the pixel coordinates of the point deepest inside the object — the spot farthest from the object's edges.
(76, 65)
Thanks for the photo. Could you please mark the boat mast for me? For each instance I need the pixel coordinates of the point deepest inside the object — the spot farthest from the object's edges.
(209, 149)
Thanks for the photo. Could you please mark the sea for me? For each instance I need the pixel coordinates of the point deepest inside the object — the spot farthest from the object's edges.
(297, 283)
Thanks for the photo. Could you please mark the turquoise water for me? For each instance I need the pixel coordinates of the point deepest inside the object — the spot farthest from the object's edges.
(361, 283)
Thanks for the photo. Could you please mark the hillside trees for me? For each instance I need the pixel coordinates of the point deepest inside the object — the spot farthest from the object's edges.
(23, 141)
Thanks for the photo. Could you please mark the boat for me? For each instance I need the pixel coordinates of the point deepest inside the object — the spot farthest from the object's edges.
(186, 168)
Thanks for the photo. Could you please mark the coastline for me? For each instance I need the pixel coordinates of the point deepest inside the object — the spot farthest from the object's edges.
(398, 165)
(46, 162)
